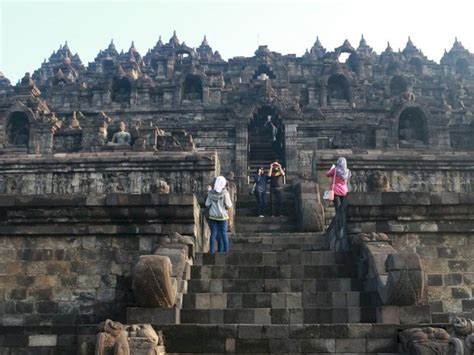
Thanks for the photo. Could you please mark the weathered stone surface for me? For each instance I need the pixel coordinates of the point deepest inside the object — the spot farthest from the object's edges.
(153, 285)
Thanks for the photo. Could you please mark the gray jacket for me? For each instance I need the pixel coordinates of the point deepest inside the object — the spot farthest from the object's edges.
(219, 203)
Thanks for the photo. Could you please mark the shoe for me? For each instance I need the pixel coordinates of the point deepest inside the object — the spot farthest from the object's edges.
(261, 216)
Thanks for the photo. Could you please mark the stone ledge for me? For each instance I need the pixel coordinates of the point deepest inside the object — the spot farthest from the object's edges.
(409, 198)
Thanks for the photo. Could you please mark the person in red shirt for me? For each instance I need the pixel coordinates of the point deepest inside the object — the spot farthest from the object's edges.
(339, 184)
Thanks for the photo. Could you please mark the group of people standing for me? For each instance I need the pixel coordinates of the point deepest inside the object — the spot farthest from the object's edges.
(275, 176)
(219, 201)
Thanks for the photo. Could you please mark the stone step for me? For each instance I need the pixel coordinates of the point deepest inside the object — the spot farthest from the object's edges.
(355, 338)
(287, 257)
(280, 235)
(278, 316)
(338, 284)
(245, 247)
(272, 272)
(270, 227)
(263, 220)
(276, 300)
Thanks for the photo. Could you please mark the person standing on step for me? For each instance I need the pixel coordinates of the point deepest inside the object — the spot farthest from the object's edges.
(276, 174)
(260, 190)
(218, 201)
(339, 183)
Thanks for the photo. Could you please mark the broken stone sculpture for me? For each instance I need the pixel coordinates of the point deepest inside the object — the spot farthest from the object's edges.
(119, 339)
(153, 285)
(424, 341)
(462, 339)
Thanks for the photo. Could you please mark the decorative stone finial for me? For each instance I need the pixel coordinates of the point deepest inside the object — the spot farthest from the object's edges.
(204, 42)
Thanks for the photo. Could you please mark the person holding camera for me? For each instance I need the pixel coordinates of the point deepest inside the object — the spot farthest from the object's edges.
(260, 190)
(276, 174)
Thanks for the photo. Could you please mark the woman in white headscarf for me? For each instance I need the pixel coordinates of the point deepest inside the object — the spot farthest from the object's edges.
(340, 180)
(218, 201)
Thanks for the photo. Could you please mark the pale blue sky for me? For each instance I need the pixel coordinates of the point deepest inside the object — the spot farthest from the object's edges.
(32, 29)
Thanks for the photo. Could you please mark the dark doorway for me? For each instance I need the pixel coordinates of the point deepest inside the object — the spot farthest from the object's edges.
(263, 70)
(338, 88)
(18, 129)
(412, 128)
(462, 66)
(121, 90)
(266, 139)
(192, 88)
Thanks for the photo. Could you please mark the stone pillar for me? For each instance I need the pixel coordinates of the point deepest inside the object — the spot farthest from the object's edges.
(241, 153)
(323, 96)
(291, 151)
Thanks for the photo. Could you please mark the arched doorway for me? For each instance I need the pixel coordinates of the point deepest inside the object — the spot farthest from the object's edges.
(263, 72)
(192, 88)
(462, 67)
(18, 129)
(266, 139)
(121, 90)
(338, 88)
(412, 130)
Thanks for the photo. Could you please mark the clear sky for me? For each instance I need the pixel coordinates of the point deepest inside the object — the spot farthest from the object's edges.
(32, 29)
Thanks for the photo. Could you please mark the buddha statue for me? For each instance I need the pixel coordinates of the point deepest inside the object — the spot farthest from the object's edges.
(121, 137)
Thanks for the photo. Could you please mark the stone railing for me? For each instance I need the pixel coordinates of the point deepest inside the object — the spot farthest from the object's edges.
(437, 227)
(69, 260)
(309, 209)
(108, 172)
(416, 171)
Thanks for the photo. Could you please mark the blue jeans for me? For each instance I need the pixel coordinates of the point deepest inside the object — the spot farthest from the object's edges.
(260, 196)
(219, 233)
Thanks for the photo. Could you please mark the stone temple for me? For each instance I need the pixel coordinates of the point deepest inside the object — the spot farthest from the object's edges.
(104, 170)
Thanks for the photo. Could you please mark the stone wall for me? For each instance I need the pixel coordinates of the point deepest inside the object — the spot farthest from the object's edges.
(437, 226)
(67, 260)
(108, 172)
(374, 170)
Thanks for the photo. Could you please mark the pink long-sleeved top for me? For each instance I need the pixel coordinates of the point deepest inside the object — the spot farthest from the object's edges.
(340, 185)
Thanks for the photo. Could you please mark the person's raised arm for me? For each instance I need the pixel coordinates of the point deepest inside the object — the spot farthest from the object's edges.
(270, 170)
(331, 171)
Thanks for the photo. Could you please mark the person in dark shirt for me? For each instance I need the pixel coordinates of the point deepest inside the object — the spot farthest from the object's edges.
(276, 174)
(260, 191)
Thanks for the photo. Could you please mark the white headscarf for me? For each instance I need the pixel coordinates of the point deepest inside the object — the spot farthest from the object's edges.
(341, 168)
(220, 184)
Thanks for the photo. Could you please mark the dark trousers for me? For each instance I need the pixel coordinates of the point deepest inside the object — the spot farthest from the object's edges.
(261, 202)
(276, 198)
(219, 234)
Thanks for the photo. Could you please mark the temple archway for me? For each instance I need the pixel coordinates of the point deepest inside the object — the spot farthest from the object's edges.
(412, 128)
(192, 88)
(398, 85)
(266, 138)
(338, 88)
(263, 70)
(462, 66)
(18, 129)
(121, 90)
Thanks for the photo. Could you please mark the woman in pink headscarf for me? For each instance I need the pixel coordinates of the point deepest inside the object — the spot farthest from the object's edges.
(218, 201)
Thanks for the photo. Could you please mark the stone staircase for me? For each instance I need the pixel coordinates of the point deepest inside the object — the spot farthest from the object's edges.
(276, 291)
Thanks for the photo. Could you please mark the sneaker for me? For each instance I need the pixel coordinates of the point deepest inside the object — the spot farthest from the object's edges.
(261, 216)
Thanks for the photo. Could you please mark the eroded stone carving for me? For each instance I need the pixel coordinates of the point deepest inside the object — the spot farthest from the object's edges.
(399, 275)
(153, 285)
(425, 341)
(462, 339)
(119, 339)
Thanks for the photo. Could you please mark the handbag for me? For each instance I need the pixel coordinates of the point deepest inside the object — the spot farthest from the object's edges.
(329, 194)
